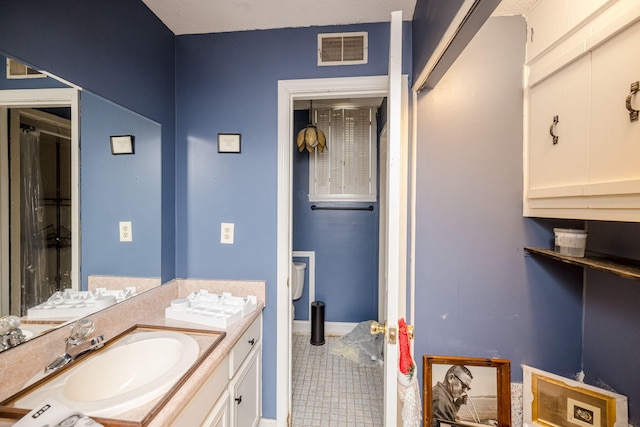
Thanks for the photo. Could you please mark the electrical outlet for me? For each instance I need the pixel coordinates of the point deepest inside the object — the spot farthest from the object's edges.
(226, 233)
(126, 233)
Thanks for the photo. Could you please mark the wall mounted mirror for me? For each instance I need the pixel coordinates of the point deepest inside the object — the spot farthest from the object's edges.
(64, 195)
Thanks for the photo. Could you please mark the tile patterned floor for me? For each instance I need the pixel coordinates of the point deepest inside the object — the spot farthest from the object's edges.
(332, 391)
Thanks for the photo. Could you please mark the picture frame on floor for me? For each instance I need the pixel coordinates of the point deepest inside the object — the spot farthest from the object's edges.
(551, 400)
(466, 391)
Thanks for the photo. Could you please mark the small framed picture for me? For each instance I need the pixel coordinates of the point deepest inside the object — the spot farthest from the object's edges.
(122, 144)
(462, 391)
(229, 143)
(551, 400)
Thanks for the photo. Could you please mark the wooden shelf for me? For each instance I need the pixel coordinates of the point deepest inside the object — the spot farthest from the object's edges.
(624, 267)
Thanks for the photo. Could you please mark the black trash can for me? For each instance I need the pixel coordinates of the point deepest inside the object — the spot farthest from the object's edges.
(317, 323)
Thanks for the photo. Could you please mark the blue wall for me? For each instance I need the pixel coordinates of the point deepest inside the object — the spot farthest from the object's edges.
(228, 83)
(119, 188)
(477, 294)
(611, 317)
(33, 83)
(116, 49)
(345, 244)
(114, 188)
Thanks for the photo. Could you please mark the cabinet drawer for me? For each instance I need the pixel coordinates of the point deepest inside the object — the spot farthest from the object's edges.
(247, 341)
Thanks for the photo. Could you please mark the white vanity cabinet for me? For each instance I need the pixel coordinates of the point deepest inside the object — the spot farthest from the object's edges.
(219, 415)
(245, 378)
(232, 395)
(582, 151)
(244, 390)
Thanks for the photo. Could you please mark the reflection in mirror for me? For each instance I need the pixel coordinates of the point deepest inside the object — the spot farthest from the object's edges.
(39, 208)
(63, 198)
(40, 204)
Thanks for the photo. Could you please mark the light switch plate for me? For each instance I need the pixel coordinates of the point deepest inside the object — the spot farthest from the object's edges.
(226, 233)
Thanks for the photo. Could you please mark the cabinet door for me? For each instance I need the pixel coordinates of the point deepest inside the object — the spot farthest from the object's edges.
(563, 164)
(245, 392)
(550, 20)
(219, 415)
(615, 140)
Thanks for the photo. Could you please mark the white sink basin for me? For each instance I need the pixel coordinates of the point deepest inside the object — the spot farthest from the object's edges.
(30, 330)
(131, 372)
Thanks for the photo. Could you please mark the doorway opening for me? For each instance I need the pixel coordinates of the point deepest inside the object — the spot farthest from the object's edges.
(335, 223)
(288, 93)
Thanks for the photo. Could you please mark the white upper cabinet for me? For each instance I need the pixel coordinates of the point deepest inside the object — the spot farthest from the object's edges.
(615, 140)
(551, 20)
(559, 107)
(582, 151)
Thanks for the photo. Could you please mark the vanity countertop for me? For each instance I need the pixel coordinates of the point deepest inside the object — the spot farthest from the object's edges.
(120, 317)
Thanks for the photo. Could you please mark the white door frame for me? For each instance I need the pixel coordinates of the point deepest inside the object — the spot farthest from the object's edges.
(288, 92)
(34, 98)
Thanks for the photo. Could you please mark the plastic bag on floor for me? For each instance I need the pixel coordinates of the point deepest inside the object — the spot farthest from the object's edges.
(369, 346)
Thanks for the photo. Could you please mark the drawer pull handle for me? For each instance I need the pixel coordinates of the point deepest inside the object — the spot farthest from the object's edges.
(633, 113)
(252, 341)
(552, 128)
(238, 400)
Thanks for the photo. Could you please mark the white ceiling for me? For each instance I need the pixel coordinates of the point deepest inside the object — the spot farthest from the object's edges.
(219, 16)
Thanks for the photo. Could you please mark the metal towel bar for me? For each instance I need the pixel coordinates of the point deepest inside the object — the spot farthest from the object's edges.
(338, 208)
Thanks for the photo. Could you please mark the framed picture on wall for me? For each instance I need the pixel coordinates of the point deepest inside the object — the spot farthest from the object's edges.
(229, 143)
(463, 392)
(551, 400)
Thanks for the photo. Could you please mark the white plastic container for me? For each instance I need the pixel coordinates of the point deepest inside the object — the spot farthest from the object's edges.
(569, 241)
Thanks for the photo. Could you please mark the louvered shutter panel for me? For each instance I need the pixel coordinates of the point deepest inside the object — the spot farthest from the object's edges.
(346, 169)
(322, 159)
(356, 152)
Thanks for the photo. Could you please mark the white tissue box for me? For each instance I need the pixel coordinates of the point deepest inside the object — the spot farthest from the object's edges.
(54, 413)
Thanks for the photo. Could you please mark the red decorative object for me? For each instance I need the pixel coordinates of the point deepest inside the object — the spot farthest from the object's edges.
(406, 362)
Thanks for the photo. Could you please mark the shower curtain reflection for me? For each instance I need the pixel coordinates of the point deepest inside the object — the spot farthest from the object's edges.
(34, 287)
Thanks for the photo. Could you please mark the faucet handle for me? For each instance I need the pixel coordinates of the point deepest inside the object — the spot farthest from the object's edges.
(9, 323)
(80, 329)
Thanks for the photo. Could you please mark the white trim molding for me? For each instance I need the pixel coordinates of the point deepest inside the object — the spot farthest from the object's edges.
(288, 92)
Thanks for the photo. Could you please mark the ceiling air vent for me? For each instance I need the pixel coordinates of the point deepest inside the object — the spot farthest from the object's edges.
(342, 49)
(17, 70)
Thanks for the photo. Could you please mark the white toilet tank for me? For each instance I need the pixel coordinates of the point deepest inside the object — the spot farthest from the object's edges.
(298, 279)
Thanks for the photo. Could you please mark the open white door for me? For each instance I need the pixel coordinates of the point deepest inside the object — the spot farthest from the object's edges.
(394, 229)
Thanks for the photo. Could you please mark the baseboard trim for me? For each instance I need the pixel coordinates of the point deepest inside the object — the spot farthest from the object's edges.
(330, 328)
(266, 422)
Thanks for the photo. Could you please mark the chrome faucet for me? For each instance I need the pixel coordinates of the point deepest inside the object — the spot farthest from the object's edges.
(77, 344)
(10, 333)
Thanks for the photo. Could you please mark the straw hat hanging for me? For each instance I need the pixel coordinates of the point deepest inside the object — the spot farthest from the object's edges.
(310, 136)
